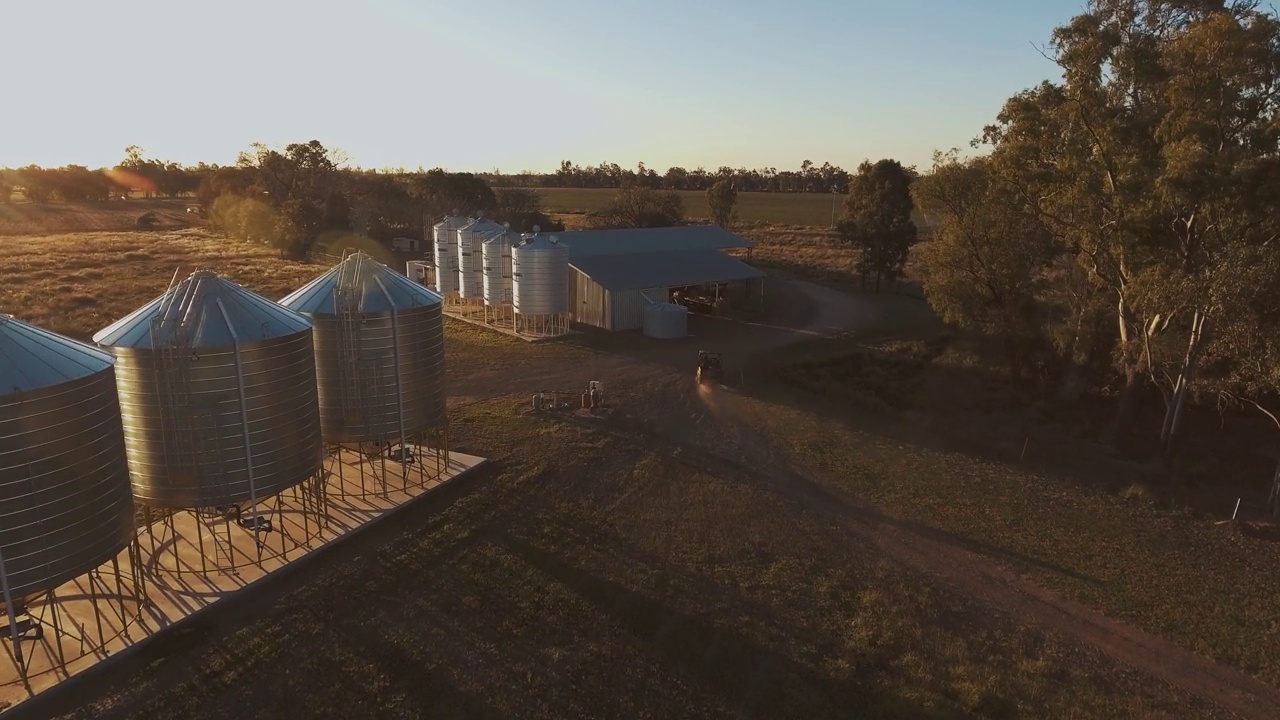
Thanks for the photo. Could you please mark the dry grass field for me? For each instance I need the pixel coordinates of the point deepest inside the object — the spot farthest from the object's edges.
(761, 550)
(23, 218)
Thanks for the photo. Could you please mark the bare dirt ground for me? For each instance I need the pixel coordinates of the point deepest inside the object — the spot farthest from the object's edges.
(672, 560)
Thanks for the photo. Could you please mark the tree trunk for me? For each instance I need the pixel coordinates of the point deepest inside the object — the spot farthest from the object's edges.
(877, 283)
(1186, 375)
(1072, 381)
(1273, 499)
(1131, 395)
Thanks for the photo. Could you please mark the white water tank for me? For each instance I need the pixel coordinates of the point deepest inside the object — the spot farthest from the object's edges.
(666, 321)
(540, 277)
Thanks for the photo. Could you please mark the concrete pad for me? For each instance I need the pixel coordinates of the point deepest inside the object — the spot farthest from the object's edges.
(187, 562)
(474, 315)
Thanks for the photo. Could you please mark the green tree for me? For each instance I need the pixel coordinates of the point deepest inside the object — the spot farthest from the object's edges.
(984, 267)
(640, 207)
(1136, 163)
(722, 198)
(8, 183)
(877, 219)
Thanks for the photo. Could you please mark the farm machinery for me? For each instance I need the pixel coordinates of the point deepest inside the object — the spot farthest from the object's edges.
(710, 368)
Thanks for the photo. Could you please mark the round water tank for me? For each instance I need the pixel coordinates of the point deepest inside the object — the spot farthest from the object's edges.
(496, 256)
(218, 394)
(379, 340)
(445, 235)
(666, 321)
(540, 276)
(65, 502)
(471, 238)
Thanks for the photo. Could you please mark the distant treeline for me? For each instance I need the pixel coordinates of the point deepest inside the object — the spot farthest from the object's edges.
(810, 178)
(159, 178)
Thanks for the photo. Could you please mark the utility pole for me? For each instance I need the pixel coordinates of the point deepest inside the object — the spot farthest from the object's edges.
(835, 193)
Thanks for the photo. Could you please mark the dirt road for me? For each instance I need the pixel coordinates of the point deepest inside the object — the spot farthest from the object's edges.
(706, 426)
(977, 576)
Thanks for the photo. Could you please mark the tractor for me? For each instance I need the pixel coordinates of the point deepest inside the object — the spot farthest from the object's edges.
(709, 367)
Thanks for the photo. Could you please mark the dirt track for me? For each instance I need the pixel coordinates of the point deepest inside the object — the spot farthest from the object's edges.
(706, 428)
(977, 576)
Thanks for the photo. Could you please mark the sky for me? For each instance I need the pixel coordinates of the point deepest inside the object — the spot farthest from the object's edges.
(515, 85)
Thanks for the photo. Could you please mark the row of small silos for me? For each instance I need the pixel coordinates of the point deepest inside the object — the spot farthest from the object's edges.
(480, 259)
(210, 396)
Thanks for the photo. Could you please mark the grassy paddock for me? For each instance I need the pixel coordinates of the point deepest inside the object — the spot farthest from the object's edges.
(77, 284)
(1075, 523)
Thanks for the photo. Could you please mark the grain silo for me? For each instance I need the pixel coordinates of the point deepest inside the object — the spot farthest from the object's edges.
(218, 396)
(445, 235)
(379, 347)
(540, 286)
(65, 503)
(666, 321)
(498, 286)
(471, 238)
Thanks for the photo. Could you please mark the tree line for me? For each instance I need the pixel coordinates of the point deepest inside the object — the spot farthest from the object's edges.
(1122, 226)
(810, 178)
(160, 178)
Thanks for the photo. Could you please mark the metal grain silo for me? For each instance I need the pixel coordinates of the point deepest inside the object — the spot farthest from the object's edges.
(65, 504)
(218, 394)
(471, 239)
(496, 262)
(540, 277)
(379, 345)
(445, 235)
(666, 321)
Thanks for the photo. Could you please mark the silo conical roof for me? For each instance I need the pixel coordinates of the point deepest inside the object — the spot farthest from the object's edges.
(378, 288)
(214, 311)
(452, 222)
(33, 358)
(482, 225)
(541, 242)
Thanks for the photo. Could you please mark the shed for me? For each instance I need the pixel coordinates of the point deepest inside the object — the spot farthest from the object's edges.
(611, 291)
(406, 244)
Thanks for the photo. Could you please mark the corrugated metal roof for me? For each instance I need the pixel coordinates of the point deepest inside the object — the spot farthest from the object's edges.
(380, 289)
(586, 243)
(214, 311)
(33, 358)
(639, 271)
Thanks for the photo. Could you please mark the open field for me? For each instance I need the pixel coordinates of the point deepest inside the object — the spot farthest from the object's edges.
(810, 209)
(758, 550)
(30, 219)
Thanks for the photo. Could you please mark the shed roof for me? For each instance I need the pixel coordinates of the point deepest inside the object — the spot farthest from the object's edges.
(640, 271)
(585, 243)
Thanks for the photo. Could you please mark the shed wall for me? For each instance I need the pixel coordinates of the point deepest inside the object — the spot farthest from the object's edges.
(588, 301)
(627, 307)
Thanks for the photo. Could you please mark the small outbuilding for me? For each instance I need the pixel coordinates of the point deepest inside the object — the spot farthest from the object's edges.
(406, 244)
